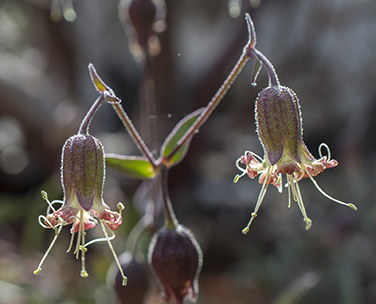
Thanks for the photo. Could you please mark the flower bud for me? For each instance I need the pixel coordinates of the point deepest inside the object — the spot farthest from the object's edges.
(176, 260)
(142, 14)
(82, 169)
(142, 20)
(279, 124)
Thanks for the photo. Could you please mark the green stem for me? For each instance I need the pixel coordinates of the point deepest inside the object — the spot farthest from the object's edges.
(214, 101)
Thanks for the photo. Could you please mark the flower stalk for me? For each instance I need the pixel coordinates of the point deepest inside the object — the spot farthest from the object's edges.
(171, 221)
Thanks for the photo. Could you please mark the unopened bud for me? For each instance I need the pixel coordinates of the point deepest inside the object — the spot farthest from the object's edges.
(176, 260)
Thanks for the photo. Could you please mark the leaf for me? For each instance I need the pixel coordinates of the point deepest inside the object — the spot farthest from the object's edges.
(172, 140)
(99, 85)
(132, 166)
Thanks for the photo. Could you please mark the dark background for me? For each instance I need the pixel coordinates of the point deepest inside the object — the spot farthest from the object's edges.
(323, 49)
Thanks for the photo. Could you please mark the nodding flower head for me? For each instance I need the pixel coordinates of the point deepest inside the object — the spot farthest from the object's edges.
(280, 130)
(176, 260)
(82, 178)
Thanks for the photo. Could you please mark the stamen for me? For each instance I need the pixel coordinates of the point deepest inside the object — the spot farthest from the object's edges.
(45, 220)
(121, 208)
(291, 181)
(79, 247)
(259, 200)
(299, 201)
(327, 150)
(113, 252)
(45, 197)
(352, 206)
(48, 250)
(244, 171)
(71, 242)
(301, 205)
(80, 229)
(100, 239)
(237, 177)
(239, 167)
(289, 194)
(83, 273)
(279, 182)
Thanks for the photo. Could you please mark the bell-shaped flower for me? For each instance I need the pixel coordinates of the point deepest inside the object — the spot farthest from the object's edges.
(82, 178)
(176, 260)
(279, 128)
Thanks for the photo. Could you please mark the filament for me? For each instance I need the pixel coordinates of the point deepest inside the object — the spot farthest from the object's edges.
(113, 252)
(101, 239)
(48, 250)
(352, 206)
(259, 200)
(327, 149)
(301, 204)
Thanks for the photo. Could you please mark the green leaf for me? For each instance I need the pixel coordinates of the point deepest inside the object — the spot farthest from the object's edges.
(99, 85)
(172, 140)
(132, 166)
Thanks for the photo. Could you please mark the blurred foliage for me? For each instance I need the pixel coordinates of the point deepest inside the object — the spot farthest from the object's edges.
(323, 49)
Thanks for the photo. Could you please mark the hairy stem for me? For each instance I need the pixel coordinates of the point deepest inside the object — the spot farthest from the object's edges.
(133, 133)
(171, 221)
(273, 78)
(214, 101)
(84, 127)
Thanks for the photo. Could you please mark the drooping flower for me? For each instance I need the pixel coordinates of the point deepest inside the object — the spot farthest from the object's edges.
(82, 178)
(176, 260)
(280, 131)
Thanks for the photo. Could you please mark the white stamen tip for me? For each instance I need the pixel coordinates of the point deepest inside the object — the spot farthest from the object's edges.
(44, 195)
(84, 273)
(308, 223)
(37, 271)
(120, 206)
(125, 280)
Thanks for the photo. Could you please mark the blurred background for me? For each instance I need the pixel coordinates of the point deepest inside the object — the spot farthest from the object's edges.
(323, 49)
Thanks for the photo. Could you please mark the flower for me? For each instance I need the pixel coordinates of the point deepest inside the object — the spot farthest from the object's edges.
(280, 131)
(176, 260)
(82, 178)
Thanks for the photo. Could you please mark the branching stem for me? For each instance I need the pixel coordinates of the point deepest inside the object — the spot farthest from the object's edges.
(133, 133)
